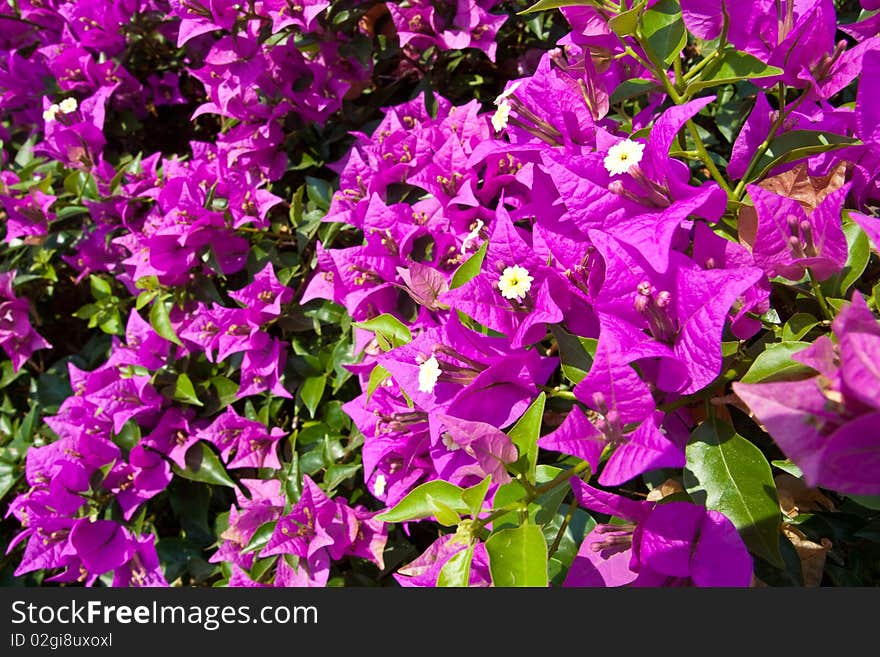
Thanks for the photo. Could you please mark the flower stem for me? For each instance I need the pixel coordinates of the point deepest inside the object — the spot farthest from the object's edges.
(820, 295)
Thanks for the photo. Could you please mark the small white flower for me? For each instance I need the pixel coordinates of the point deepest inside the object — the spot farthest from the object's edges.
(515, 282)
(49, 114)
(472, 236)
(623, 155)
(451, 445)
(501, 116)
(379, 485)
(429, 372)
(502, 97)
(68, 105)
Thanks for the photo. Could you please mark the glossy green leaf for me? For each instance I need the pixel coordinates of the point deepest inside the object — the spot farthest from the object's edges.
(161, 323)
(787, 466)
(390, 331)
(444, 514)
(775, 363)
(475, 495)
(733, 66)
(729, 474)
(576, 360)
(525, 434)
(202, 464)
(664, 31)
(311, 392)
(632, 88)
(185, 392)
(261, 537)
(796, 145)
(625, 23)
(518, 557)
(378, 375)
(457, 571)
(418, 503)
(470, 267)
(10, 473)
(339, 472)
(100, 288)
(797, 327)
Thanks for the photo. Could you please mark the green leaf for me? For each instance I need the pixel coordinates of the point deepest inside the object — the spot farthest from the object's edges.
(339, 472)
(475, 495)
(161, 323)
(729, 474)
(664, 31)
(389, 331)
(797, 145)
(733, 66)
(544, 5)
(525, 434)
(576, 360)
(185, 392)
(311, 392)
(226, 390)
(470, 267)
(443, 513)
(419, 503)
(457, 571)
(775, 363)
(632, 88)
(203, 465)
(787, 466)
(798, 326)
(261, 537)
(10, 473)
(100, 288)
(626, 23)
(868, 501)
(377, 376)
(518, 557)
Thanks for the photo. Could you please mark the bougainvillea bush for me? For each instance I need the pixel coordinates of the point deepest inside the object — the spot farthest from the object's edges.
(423, 293)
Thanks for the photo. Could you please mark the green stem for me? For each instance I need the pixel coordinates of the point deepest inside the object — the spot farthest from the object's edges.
(565, 522)
(820, 295)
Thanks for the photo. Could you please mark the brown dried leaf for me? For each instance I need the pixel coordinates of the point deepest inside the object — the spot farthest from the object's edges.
(812, 555)
(807, 190)
(667, 488)
(796, 497)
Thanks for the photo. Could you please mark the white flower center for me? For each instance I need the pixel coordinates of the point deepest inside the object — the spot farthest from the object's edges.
(501, 115)
(49, 114)
(623, 155)
(429, 372)
(379, 484)
(472, 236)
(451, 445)
(515, 282)
(68, 105)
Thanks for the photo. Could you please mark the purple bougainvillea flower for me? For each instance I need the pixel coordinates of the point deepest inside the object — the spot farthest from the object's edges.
(512, 293)
(424, 571)
(618, 399)
(823, 424)
(143, 568)
(465, 452)
(396, 442)
(452, 368)
(319, 530)
(684, 310)
(671, 544)
(243, 442)
(788, 240)
(17, 337)
(102, 545)
(264, 296)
